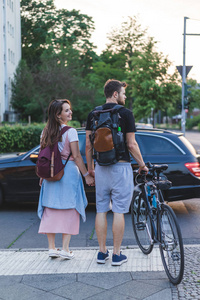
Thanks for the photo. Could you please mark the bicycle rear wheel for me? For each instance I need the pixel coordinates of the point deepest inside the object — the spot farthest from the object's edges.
(141, 223)
(171, 247)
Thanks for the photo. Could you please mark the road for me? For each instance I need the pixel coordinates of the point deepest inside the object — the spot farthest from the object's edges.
(19, 226)
(19, 223)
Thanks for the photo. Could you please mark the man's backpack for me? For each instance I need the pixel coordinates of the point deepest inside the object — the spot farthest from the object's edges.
(49, 165)
(107, 138)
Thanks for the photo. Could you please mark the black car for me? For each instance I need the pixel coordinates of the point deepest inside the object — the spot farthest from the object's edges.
(18, 181)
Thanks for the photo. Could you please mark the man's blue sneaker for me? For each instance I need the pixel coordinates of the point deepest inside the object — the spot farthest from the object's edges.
(102, 257)
(118, 260)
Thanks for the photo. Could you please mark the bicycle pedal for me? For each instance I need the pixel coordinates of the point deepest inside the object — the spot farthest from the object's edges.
(140, 226)
(175, 256)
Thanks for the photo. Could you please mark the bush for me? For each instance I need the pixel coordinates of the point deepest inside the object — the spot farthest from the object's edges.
(190, 123)
(18, 138)
(199, 126)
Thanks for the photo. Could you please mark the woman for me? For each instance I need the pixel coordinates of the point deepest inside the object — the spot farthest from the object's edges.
(62, 202)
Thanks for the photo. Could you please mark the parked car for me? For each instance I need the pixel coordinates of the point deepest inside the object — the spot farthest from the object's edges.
(18, 181)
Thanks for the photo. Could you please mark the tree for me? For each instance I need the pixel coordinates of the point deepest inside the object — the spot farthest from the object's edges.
(109, 66)
(37, 20)
(23, 89)
(128, 40)
(57, 56)
(43, 25)
(151, 86)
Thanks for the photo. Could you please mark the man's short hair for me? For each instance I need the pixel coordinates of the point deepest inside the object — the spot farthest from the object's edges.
(112, 86)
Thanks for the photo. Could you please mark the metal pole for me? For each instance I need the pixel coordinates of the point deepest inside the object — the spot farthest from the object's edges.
(183, 77)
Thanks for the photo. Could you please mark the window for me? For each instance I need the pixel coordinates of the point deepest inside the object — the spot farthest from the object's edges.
(9, 54)
(8, 26)
(154, 145)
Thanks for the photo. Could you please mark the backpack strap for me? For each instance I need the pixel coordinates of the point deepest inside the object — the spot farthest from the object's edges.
(63, 130)
(117, 107)
(100, 109)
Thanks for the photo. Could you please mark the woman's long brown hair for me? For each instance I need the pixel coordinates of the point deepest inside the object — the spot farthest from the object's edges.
(51, 131)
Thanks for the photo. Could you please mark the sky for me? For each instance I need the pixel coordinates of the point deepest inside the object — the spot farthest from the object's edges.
(164, 20)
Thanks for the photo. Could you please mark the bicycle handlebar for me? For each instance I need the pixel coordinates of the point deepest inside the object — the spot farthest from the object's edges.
(159, 168)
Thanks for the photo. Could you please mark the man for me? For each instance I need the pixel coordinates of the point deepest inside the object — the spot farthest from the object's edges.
(114, 182)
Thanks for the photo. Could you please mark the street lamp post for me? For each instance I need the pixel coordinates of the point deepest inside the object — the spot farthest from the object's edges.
(183, 78)
(183, 70)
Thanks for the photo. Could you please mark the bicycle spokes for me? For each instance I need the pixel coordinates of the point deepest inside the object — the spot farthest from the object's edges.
(171, 247)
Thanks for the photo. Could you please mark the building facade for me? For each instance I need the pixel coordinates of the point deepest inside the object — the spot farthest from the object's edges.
(10, 53)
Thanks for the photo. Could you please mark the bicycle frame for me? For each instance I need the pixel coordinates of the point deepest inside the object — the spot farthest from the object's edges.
(144, 191)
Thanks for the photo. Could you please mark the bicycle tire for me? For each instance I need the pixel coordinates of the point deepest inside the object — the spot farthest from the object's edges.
(171, 247)
(140, 223)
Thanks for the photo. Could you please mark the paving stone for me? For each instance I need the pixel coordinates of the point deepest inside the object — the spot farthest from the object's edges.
(19, 291)
(136, 289)
(105, 280)
(164, 295)
(10, 280)
(48, 282)
(108, 295)
(149, 275)
(48, 296)
(77, 291)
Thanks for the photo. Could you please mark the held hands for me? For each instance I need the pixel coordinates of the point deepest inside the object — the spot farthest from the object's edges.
(90, 180)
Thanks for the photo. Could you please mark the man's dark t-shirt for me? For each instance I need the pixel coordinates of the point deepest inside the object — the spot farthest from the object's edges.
(127, 124)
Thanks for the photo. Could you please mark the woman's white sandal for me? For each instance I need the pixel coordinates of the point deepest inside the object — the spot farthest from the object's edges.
(66, 255)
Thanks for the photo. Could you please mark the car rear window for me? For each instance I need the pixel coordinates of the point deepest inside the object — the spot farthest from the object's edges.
(154, 145)
(81, 138)
(188, 145)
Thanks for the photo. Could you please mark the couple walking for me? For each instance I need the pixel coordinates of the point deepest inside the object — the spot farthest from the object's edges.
(61, 203)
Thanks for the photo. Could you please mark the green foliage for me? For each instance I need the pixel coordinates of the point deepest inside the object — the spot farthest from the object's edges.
(60, 62)
(109, 66)
(194, 97)
(151, 86)
(18, 138)
(127, 40)
(192, 122)
(57, 57)
(24, 93)
(41, 20)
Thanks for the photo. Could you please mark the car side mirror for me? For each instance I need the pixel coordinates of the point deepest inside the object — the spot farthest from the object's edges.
(34, 157)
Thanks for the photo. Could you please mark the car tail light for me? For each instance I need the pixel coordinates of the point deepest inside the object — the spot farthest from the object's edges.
(194, 168)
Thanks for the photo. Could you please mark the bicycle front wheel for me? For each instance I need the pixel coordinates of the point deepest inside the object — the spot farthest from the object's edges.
(171, 247)
(141, 223)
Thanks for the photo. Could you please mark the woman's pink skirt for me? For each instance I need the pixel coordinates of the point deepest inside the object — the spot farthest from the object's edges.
(65, 221)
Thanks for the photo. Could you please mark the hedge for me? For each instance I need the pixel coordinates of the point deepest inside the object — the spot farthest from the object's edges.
(18, 138)
(190, 123)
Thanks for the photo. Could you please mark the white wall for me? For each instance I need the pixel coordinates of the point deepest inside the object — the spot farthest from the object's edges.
(10, 51)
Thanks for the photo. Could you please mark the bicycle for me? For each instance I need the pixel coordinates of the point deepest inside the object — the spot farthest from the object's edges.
(155, 222)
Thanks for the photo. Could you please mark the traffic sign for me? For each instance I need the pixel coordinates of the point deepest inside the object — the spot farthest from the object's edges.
(180, 70)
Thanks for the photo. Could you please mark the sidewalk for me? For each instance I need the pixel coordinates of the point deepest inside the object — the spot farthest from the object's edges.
(30, 274)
